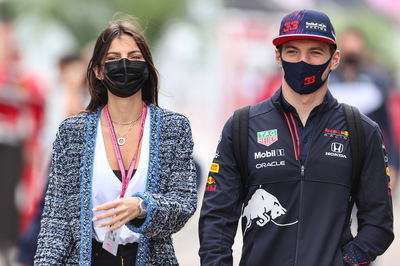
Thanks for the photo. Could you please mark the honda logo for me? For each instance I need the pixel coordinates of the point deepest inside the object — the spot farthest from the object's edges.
(337, 147)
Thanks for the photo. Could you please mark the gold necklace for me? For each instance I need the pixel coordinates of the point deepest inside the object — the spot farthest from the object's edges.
(128, 122)
(122, 140)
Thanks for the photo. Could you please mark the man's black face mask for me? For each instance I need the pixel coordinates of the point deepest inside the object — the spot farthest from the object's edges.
(304, 78)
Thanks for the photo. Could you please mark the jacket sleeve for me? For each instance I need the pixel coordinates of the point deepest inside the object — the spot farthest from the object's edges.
(168, 212)
(222, 202)
(54, 241)
(374, 203)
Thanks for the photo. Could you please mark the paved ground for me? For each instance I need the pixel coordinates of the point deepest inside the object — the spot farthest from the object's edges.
(186, 243)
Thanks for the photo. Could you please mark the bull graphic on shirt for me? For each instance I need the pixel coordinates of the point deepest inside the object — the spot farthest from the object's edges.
(263, 207)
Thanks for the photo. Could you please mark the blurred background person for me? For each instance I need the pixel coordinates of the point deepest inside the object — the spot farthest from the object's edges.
(362, 82)
(21, 120)
(67, 98)
(69, 95)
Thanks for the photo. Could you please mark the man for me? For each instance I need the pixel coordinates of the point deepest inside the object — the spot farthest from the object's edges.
(362, 82)
(295, 204)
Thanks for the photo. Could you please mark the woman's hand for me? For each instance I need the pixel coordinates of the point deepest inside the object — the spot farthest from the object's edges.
(120, 211)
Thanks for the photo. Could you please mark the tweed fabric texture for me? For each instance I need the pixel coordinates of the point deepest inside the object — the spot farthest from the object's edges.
(66, 227)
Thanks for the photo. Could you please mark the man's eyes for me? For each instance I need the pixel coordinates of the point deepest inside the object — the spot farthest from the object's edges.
(316, 53)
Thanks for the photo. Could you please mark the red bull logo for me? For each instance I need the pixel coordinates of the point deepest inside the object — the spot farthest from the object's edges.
(336, 132)
(211, 184)
(263, 208)
(211, 180)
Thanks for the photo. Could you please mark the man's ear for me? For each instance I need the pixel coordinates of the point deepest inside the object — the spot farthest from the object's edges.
(278, 57)
(335, 60)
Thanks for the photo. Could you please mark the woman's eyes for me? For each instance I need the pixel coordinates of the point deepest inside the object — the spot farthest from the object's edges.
(114, 58)
(136, 57)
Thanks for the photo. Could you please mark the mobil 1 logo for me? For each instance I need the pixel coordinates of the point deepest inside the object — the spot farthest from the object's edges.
(269, 153)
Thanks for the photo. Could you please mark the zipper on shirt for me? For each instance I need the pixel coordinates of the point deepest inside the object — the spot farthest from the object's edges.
(302, 169)
(296, 147)
(302, 175)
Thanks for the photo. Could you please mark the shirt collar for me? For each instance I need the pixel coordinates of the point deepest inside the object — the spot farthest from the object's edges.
(281, 102)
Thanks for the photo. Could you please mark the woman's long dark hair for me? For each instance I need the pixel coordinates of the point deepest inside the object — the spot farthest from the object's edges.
(117, 28)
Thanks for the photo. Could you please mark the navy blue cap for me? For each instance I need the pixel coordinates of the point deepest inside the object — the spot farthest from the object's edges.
(306, 24)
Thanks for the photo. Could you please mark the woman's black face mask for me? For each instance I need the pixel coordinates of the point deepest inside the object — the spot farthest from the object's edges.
(125, 77)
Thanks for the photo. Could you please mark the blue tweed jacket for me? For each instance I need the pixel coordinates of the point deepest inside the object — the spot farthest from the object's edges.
(66, 228)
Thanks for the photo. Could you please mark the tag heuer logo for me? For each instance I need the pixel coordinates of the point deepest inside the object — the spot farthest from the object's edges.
(267, 137)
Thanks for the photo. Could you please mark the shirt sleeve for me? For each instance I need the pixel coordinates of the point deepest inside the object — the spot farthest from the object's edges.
(374, 203)
(222, 203)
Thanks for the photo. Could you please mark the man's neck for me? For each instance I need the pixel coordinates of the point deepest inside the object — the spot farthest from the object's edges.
(304, 103)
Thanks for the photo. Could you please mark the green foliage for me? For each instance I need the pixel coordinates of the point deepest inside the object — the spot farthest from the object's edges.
(86, 18)
(377, 29)
(152, 14)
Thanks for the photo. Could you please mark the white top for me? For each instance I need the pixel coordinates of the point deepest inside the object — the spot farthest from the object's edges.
(107, 187)
(364, 95)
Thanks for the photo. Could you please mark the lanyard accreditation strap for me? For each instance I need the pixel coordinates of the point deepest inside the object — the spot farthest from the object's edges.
(125, 177)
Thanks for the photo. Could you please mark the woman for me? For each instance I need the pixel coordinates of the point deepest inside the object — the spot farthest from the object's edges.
(137, 209)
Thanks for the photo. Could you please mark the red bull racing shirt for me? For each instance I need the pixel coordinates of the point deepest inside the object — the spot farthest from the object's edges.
(294, 209)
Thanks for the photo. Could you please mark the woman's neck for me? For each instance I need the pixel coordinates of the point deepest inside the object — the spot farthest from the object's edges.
(125, 109)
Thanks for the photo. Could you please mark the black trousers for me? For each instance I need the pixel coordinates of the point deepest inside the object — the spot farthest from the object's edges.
(126, 255)
(11, 165)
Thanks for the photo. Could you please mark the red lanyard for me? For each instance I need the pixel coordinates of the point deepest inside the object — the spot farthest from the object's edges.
(125, 177)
